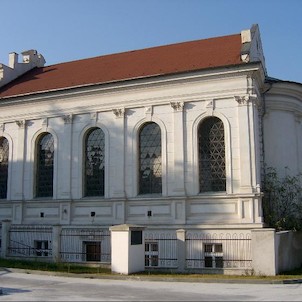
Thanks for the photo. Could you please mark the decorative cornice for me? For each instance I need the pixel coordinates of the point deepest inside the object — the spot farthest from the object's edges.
(93, 116)
(242, 99)
(149, 110)
(119, 112)
(45, 122)
(67, 118)
(177, 106)
(248, 98)
(21, 123)
(210, 104)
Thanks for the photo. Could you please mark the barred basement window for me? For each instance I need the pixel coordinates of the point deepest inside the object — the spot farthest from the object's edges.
(212, 175)
(213, 255)
(151, 254)
(4, 148)
(93, 250)
(94, 175)
(150, 167)
(41, 248)
(45, 160)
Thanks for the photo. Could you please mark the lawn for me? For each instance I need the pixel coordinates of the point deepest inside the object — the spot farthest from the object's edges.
(97, 270)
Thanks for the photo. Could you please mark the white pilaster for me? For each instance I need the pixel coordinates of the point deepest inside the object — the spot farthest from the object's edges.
(65, 182)
(17, 188)
(117, 152)
(244, 143)
(178, 133)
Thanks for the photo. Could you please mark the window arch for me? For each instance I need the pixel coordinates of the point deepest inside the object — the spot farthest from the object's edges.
(45, 165)
(94, 170)
(4, 153)
(211, 152)
(150, 162)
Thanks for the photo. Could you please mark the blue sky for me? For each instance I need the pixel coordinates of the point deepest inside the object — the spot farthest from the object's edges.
(66, 30)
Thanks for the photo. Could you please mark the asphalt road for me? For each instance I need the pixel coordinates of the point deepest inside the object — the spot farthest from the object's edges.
(34, 287)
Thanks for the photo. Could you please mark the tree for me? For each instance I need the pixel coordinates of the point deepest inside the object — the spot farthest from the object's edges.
(282, 201)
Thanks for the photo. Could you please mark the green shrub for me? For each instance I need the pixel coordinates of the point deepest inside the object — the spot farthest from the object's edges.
(282, 201)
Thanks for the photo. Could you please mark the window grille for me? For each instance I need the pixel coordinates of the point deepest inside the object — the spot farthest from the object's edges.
(94, 174)
(93, 251)
(151, 254)
(45, 160)
(4, 148)
(212, 175)
(213, 255)
(150, 166)
(41, 248)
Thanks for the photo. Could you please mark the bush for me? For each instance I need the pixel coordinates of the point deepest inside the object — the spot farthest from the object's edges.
(282, 201)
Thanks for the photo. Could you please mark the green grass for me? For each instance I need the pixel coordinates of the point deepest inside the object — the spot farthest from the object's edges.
(54, 267)
(96, 270)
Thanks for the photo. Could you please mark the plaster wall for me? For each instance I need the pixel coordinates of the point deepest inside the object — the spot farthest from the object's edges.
(282, 128)
(177, 108)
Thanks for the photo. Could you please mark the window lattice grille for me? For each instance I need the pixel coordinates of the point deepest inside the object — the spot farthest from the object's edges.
(4, 148)
(150, 167)
(95, 163)
(212, 176)
(45, 160)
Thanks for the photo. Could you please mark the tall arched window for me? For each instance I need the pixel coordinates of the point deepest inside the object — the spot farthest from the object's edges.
(4, 148)
(212, 175)
(150, 168)
(94, 174)
(45, 161)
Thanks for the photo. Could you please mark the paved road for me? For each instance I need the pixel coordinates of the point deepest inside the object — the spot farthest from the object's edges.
(33, 287)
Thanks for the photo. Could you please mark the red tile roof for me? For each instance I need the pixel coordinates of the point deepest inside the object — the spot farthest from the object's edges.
(161, 60)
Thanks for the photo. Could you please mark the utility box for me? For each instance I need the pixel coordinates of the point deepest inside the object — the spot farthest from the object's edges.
(127, 249)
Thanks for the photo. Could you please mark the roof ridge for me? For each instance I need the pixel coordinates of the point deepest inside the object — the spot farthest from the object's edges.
(143, 49)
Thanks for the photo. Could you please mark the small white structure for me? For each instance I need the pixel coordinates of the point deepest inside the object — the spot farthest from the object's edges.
(127, 249)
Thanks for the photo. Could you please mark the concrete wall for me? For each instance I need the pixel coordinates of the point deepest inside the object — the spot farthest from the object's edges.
(274, 253)
(126, 258)
(264, 252)
(288, 250)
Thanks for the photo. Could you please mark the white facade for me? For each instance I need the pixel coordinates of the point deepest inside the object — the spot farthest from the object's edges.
(177, 106)
(282, 127)
(261, 121)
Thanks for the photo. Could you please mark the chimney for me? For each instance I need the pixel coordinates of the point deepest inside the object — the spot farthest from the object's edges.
(31, 59)
(12, 59)
(31, 56)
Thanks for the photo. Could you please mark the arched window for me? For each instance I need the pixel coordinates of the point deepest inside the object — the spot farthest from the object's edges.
(212, 175)
(4, 148)
(150, 169)
(45, 161)
(94, 173)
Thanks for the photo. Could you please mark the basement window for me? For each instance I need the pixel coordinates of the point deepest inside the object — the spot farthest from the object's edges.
(41, 248)
(151, 254)
(213, 255)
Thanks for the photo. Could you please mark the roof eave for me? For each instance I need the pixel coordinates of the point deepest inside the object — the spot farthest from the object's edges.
(250, 66)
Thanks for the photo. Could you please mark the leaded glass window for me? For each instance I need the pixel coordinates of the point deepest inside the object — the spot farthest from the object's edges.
(212, 176)
(45, 161)
(94, 174)
(4, 148)
(150, 167)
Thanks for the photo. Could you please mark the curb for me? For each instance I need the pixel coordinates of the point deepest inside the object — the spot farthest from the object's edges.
(153, 278)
